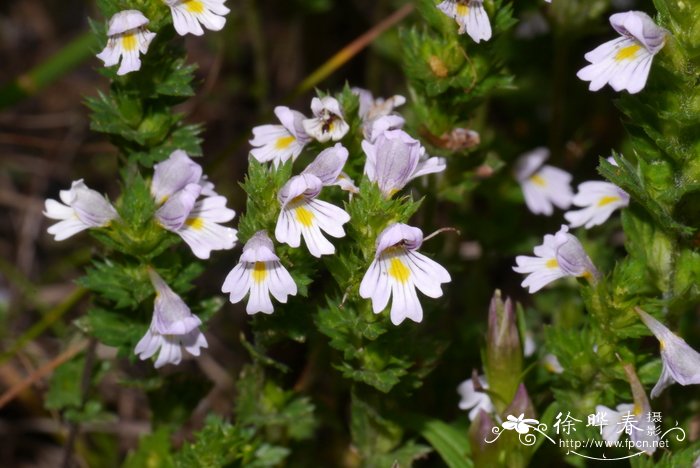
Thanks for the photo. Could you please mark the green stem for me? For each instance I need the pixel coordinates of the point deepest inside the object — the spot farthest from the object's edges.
(36, 79)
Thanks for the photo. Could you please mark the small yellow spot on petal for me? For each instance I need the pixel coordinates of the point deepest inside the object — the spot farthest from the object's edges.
(304, 216)
(195, 223)
(129, 42)
(538, 180)
(627, 53)
(284, 142)
(662, 344)
(552, 263)
(398, 270)
(607, 200)
(194, 6)
(259, 272)
(637, 410)
(462, 10)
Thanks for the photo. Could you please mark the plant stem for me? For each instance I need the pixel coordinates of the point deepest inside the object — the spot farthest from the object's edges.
(36, 79)
(52, 316)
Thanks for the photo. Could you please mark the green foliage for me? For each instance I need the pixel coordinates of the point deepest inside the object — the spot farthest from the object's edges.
(64, 389)
(222, 444)
(361, 373)
(378, 439)
(449, 441)
(264, 405)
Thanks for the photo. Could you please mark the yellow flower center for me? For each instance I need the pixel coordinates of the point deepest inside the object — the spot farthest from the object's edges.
(462, 10)
(398, 270)
(195, 223)
(607, 200)
(304, 216)
(284, 142)
(552, 263)
(129, 42)
(194, 6)
(538, 180)
(259, 272)
(627, 53)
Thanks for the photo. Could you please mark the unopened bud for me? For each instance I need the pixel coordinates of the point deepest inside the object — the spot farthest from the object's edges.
(504, 355)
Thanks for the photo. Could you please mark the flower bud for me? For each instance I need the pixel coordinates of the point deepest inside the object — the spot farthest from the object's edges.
(504, 356)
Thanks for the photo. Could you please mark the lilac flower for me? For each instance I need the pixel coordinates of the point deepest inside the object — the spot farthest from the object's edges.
(82, 208)
(259, 274)
(398, 269)
(172, 328)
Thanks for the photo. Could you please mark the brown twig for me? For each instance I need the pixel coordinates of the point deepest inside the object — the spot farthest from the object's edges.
(352, 49)
(42, 372)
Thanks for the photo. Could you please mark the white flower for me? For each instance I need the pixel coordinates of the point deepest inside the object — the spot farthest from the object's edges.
(259, 274)
(395, 158)
(278, 143)
(128, 37)
(202, 230)
(380, 125)
(188, 14)
(173, 327)
(681, 363)
(473, 399)
(542, 185)
(327, 123)
(84, 208)
(302, 214)
(559, 255)
(371, 109)
(470, 16)
(599, 200)
(397, 270)
(173, 174)
(176, 186)
(521, 424)
(529, 344)
(346, 183)
(552, 364)
(624, 63)
(632, 420)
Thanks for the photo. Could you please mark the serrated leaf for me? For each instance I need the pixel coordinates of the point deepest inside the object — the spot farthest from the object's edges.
(65, 385)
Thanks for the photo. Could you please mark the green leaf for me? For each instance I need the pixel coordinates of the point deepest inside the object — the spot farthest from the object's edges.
(153, 451)
(126, 285)
(452, 444)
(113, 330)
(65, 385)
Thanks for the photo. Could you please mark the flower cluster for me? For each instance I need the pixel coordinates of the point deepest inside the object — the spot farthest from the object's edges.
(186, 205)
(623, 63)
(393, 159)
(128, 36)
(176, 187)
